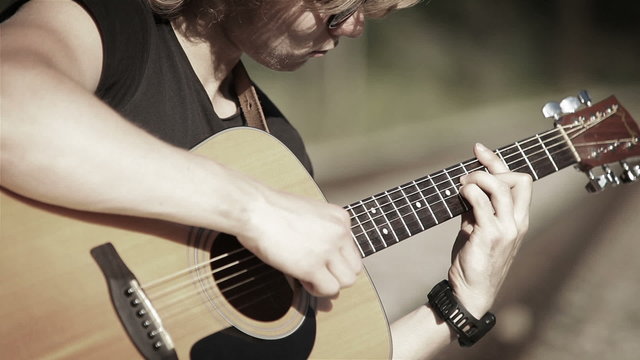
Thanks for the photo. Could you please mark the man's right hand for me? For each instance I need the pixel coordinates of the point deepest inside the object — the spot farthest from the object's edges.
(307, 239)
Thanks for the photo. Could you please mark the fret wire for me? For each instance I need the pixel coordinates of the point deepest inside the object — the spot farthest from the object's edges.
(355, 239)
(466, 208)
(440, 195)
(412, 209)
(456, 188)
(416, 184)
(393, 232)
(527, 160)
(475, 161)
(426, 203)
(555, 167)
(398, 212)
(502, 158)
(426, 198)
(472, 161)
(464, 168)
(536, 157)
(384, 242)
(453, 185)
(363, 232)
(563, 149)
(466, 171)
(506, 148)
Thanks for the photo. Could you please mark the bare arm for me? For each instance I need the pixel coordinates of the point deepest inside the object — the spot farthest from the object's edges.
(488, 240)
(62, 145)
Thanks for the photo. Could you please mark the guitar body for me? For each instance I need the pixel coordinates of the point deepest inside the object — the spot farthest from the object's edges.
(56, 303)
(78, 285)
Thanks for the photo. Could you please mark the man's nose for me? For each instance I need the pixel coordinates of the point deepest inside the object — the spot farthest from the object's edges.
(352, 27)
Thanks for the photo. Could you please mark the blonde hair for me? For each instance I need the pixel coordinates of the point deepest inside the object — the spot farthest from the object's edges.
(216, 9)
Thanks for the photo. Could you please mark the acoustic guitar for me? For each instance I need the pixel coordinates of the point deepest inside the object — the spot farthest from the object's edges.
(79, 285)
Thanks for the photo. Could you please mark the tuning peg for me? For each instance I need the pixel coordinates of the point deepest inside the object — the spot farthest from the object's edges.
(596, 183)
(612, 179)
(570, 104)
(629, 174)
(552, 110)
(584, 97)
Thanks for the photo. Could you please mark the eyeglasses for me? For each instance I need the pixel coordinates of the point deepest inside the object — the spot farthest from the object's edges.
(338, 19)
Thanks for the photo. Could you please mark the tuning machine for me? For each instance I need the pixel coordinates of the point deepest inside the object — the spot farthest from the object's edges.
(612, 179)
(596, 183)
(608, 178)
(568, 105)
(584, 97)
(552, 110)
(629, 173)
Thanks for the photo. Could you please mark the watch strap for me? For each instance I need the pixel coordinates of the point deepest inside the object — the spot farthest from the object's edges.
(467, 327)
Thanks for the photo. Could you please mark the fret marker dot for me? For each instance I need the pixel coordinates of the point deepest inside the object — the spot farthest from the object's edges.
(373, 210)
(447, 192)
(418, 205)
(385, 231)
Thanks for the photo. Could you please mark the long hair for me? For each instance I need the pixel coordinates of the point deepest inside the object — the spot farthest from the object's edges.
(215, 10)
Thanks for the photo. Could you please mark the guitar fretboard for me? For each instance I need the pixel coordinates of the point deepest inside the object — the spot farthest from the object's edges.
(391, 216)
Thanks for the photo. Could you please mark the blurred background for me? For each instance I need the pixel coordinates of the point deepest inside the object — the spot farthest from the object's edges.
(416, 92)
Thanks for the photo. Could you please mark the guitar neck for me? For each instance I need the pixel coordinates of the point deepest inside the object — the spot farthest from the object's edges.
(389, 217)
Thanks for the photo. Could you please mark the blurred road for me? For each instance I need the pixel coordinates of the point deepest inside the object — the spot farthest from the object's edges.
(573, 287)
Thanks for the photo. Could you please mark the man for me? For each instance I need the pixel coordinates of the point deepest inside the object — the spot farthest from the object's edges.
(103, 98)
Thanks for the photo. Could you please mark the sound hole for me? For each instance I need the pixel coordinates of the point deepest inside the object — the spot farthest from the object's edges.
(252, 287)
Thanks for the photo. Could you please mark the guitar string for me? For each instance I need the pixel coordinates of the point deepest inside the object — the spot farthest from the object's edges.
(438, 192)
(574, 133)
(195, 267)
(169, 290)
(175, 287)
(179, 300)
(574, 130)
(165, 301)
(384, 214)
(474, 161)
(189, 300)
(166, 290)
(169, 277)
(163, 306)
(387, 220)
(216, 270)
(471, 162)
(188, 270)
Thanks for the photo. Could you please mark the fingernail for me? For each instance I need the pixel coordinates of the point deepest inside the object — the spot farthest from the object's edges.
(481, 147)
(463, 179)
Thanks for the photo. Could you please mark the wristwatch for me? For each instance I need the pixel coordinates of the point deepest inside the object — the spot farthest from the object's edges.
(468, 328)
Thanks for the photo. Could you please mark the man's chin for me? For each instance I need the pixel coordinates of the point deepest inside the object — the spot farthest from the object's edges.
(284, 65)
(289, 66)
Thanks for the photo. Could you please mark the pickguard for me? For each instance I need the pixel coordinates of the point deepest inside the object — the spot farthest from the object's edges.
(232, 344)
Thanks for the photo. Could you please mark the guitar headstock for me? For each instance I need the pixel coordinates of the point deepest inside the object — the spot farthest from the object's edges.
(602, 134)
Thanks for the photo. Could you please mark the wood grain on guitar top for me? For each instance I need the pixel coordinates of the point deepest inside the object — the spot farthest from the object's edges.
(55, 302)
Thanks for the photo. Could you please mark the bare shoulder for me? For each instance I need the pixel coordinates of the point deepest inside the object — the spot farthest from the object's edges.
(56, 33)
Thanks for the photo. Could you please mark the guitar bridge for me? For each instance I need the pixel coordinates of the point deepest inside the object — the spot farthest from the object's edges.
(136, 313)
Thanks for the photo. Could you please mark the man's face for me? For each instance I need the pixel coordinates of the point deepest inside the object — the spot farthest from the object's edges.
(283, 35)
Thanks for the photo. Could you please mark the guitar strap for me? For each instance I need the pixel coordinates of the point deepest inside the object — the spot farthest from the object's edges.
(248, 97)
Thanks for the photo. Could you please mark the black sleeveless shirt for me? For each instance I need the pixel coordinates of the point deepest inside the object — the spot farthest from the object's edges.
(147, 77)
